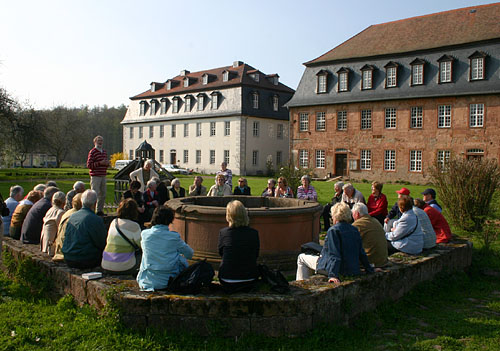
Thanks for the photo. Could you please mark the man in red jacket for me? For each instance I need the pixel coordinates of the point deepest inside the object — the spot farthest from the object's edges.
(98, 163)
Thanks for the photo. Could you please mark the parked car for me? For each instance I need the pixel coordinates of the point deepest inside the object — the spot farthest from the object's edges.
(176, 169)
(119, 164)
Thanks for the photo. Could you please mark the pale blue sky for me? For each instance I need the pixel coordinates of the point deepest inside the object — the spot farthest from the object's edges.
(95, 52)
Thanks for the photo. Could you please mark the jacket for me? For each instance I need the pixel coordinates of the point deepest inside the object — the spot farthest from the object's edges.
(377, 206)
(239, 249)
(32, 225)
(119, 255)
(373, 238)
(137, 175)
(245, 191)
(411, 244)
(194, 192)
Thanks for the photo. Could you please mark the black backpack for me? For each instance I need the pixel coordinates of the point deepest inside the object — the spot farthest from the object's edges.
(4, 210)
(274, 278)
(192, 279)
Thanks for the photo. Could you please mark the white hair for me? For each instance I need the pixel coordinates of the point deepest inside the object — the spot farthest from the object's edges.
(339, 185)
(89, 198)
(149, 162)
(150, 183)
(40, 187)
(58, 198)
(156, 179)
(305, 176)
(347, 186)
(16, 189)
(360, 208)
(175, 181)
(78, 185)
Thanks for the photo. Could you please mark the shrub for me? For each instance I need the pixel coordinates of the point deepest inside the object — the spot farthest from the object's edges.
(293, 174)
(117, 156)
(269, 166)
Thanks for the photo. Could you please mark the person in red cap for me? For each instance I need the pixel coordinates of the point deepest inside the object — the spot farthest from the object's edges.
(395, 214)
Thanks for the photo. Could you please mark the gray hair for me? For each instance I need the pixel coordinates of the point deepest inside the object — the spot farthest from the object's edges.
(175, 181)
(156, 179)
(59, 199)
(339, 185)
(360, 208)
(305, 176)
(16, 189)
(51, 183)
(78, 185)
(40, 187)
(341, 212)
(89, 198)
(150, 183)
(271, 180)
(347, 186)
(49, 192)
(149, 162)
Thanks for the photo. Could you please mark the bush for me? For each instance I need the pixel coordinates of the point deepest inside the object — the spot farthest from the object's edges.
(117, 156)
(293, 175)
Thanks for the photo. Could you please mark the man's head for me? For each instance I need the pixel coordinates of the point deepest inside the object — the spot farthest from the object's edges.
(16, 192)
(429, 194)
(348, 190)
(89, 199)
(359, 210)
(79, 187)
(148, 165)
(223, 166)
(271, 183)
(135, 185)
(338, 187)
(403, 191)
(151, 185)
(40, 187)
(98, 141)
(49, 192)
(198, 180)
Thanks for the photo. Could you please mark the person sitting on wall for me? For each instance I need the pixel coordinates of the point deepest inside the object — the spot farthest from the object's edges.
(430, 199)
(239, 248)
(283, 190)
(271, 188)
(134, 193)
(144, 174)
(406, 235)
(227, 173)
(426, 225)
(337, 197)
(306, 191)
(372, 235)
(197, 189)
(85, 235)
(32, 225)
(439, 223)
(352, 196)
(78, 188)
(395, 214)
(150, 198)
(21, 211)
(342, 252)
(221, 188)
(242, 188)
(163, 192)
(16, 195)
(51, 223)
(61, 230)
(164, 253)
(176, 190)
(377, 203)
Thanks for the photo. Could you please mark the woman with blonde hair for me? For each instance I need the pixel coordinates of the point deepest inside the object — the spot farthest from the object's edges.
(239, 248)
(51, 223)
(283, 190)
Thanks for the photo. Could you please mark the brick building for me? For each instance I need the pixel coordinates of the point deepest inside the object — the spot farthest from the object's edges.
(400, 96)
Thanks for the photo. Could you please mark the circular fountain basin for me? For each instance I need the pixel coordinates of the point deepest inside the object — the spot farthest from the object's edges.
(283, 225)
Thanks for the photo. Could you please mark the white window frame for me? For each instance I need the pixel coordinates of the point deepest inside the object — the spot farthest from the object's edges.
(173, 131)
(227, 128)
(445, 70)
(225, 76)
(303, 122)
(175, 105)
(255, 157)
(416, 117)
(389, 160)
(162, 131)
(255, 100)
(205, 79)
(198, 129)
(276, 103)
(141, 133)
(187, 106)
(343, 81)
(391, 77)
(256, 129)
(151, 131)
(342, 120)
(477, 68)
(163, 109)
(476, 115)
(367, 79)
(212, 157)
(198, 156)
(365, 160)
(161, 156)
(417, 74)
(320, 159)
(366, 119)
(391, 116)
(186, 156)
(131, 133)
(152, 110)
(186, 82)
(186, 130)
(304, 158)
(443, 157)
(320, 121)
(226, 157)
(322, 83)
(444, 116)
(142, 108)
(415, 160)
(213, 129)
(215, 101)
(201, 102)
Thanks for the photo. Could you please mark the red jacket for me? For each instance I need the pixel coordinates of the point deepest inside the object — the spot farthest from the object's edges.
(378, 206)
(439, 223)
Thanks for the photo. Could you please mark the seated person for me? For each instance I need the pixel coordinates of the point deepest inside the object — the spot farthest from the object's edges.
(239, 248)
(306, 191)
(352, 196)
(283, 190)
(21, 211)
(430, 199)
(337, 197)
(61, 231)
(150, 198)
(119, 255)
(426, 225)
(176, 190)
(221, 188)
(271, 187)
(377, 203)
(197, 189)
(135, 193)
(85, 235)
(51, 223)
(161, 188)
(372, 235)
(439, 223)
(242, 188)
(32, 225)
(342, 252)
(395, 214)
(16, 195)
(78, 188)
(406, 235)
(144, 174)
(164, 254)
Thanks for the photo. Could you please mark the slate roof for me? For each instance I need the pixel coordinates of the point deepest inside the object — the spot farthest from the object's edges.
(455, 27)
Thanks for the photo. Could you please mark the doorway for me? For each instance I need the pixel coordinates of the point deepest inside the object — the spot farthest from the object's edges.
(173, 157)
(340, 164)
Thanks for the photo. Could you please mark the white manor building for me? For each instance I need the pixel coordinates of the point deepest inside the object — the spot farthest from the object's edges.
(198, 120)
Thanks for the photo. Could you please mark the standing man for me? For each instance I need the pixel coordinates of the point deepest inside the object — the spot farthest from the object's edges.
(98, 163)
(226, 172)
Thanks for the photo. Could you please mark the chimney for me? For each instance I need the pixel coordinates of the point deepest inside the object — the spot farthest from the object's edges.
(237, 63)
(184, 72)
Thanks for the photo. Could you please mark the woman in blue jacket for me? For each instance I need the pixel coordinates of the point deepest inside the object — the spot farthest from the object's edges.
(164, 253)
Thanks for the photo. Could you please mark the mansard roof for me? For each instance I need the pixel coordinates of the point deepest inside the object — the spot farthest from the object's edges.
(442, 29)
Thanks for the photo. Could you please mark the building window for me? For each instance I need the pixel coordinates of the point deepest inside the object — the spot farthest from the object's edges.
(201, 102)
(226, 157)
(390, 160)
(476, 114)
(367, 77)
(227, 128)
(445, 69)
(143, 106)
(255, 129)
(212, 157)
(390, 118)
(366, 160)
(303, 122)
(444, 116)
(141, 134)
(215, 101)
(186, 130)
(279, 131)
(342, 120)
(343, 81)
(205, 79)
(417, 74)
(366, 119)
(279, 157)
(164, 105)
(255, 100)
(320, 158)
(416, 117)
(173, 131)
(152, 111)
(225, 76)
(321, 81)
(276, 103)
(443, 157)
(198, 129)
(415, 161)
(131, 130)
(186, 156)
(131, 154)
(212, 128)
(187, 106)
(161, 156)
(255, 158)
(198, 156)
(162, 132)
(303, 158)
(320, 121)
(391, 75)
(186, 82)
(175, 105)
(476, 62)
(151, 131)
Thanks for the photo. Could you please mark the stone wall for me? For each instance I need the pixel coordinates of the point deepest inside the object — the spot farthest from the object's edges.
(310, 302)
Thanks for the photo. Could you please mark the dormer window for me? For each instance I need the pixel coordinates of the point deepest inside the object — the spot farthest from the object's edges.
(201, 101)
(215, 100)
(175, 104)
(276, 80)
(255, 77)
(164, 105)
(169, 84)
(445, 69)
(276, 103)
(225, 76)
(367, 77)
(152, 111)
(255, 100)
(187, 103)
(143, 106)
(205, 79)
(343, 79)
(322, 81)
(417, 72)
(391, 75)
(153, 87)
(186, 82)
(476, 63)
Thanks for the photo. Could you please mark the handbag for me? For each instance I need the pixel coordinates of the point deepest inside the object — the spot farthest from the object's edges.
(311, 248)
(274, 278)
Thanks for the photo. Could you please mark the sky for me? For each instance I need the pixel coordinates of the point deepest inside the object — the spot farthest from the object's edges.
(96, 52)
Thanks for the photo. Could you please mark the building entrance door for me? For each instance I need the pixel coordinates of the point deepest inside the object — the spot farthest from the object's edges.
(340, 165)
(173, 157)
